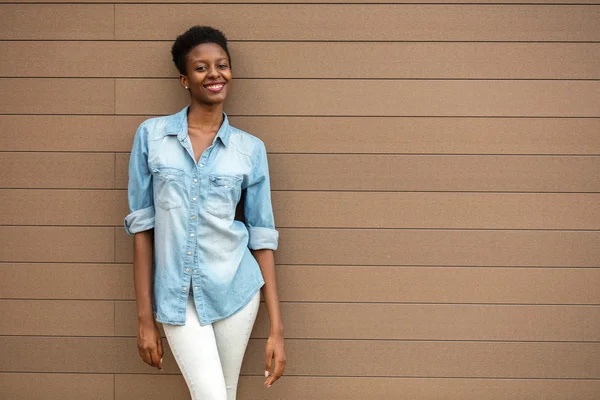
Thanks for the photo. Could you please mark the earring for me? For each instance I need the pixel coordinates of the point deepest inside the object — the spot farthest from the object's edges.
(186, 88)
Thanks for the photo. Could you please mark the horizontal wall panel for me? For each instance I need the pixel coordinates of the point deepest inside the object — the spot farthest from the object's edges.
(396, 97)
(433, 173)
(66, 281)
(63, 207)
(424, 135)
(423, 173)
(439, 284)
(333, 209)
(416, 322)
(330, 283)
(97, 59)
(312, 1)
(436, 210)
(57, 386)
(435, 359)
(93, 133)
(425, 247)
(58, 318)
(57, 170)
(77, 355)
(433, 322)
(56, 22)
(149, 387)
(156, 387)
(307, 134)
(56, 244)
(288, 60)
(159, 387)
(363, 22)
(57, 96)
(438, 247)
(321, 358)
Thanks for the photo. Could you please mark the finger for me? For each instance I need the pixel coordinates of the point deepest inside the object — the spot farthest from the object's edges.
(269, 358)
(160, 353)
(279, 367)
(142, 355)
(146, 357)
(160, 347)
(155, 358)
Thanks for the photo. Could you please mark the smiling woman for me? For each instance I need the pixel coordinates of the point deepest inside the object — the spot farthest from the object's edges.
(204, 62)
(197, 270)
(207, 83)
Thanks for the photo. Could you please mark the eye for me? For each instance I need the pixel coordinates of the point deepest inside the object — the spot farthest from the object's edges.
(223, 66)
(201, 68)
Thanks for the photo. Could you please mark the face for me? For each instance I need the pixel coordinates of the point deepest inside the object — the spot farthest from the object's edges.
(208, 74)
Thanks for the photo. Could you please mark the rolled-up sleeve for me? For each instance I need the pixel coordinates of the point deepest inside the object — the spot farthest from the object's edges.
(258, 209)
(139, 189)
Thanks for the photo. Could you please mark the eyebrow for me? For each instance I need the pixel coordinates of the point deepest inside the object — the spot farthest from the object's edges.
(205, 61)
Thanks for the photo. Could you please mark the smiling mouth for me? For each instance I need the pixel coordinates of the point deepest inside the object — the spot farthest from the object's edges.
(215, 87)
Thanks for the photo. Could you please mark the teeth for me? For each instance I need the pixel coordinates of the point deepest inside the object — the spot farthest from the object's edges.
(215, 86)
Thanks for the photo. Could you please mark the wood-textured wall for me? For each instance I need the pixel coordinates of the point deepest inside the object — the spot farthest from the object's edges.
(436, 183)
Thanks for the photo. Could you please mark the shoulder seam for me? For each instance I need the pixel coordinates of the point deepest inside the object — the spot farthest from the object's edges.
(251, 156)
(255, 140)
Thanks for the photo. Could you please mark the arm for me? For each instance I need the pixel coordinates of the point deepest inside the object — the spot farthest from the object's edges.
(275, 347)
(148, 338)
(140, 222)
(263, 241)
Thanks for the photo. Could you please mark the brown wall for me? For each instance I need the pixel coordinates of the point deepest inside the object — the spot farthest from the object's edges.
(436, 184)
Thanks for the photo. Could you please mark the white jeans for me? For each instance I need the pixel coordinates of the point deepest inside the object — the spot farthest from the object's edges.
(210, 356)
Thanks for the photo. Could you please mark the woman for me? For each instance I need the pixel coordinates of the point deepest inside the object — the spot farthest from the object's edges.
(187, 173)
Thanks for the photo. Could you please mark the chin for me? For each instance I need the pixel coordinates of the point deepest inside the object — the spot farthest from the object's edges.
(212, 100)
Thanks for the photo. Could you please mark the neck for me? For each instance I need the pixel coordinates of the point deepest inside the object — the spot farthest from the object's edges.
(205, 116)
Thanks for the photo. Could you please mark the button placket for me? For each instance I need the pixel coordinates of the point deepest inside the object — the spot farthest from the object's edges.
(199, 173)
(194, 209)
(191, 242)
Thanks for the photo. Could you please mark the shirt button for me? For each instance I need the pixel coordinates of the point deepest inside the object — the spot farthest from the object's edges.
(193, 198)
(189, 253)
(191, 234)
(195, 287)
(195, 180)
(187, 270)
(201, 164)
(195, 271)
(193, 217)
(184, 288)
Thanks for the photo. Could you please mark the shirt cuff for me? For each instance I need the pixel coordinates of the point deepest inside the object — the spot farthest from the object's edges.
(140, 220)
(262, 238)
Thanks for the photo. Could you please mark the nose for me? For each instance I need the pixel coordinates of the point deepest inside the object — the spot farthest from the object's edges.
(213, 72)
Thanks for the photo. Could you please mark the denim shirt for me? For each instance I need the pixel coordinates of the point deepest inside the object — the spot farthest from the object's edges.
(198, 245)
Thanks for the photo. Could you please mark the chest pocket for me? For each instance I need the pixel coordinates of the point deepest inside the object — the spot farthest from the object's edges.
(170, 189)
(223, 195)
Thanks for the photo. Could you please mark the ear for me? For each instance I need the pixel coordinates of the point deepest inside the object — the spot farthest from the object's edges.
(184, 81)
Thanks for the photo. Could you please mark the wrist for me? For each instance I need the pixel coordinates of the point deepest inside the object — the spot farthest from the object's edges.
(276, 330)
(145, 318)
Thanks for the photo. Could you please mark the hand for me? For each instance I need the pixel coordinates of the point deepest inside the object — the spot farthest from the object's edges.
(274, 350)
(150, 343)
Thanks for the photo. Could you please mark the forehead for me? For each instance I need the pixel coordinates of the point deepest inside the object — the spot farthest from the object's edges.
(206, 52)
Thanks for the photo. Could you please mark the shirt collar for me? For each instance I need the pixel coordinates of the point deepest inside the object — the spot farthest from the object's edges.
(178, 126)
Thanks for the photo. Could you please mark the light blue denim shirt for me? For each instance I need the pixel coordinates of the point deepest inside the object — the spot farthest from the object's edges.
(198, 245)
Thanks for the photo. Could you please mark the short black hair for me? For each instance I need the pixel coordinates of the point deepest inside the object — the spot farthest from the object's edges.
(193, 37)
